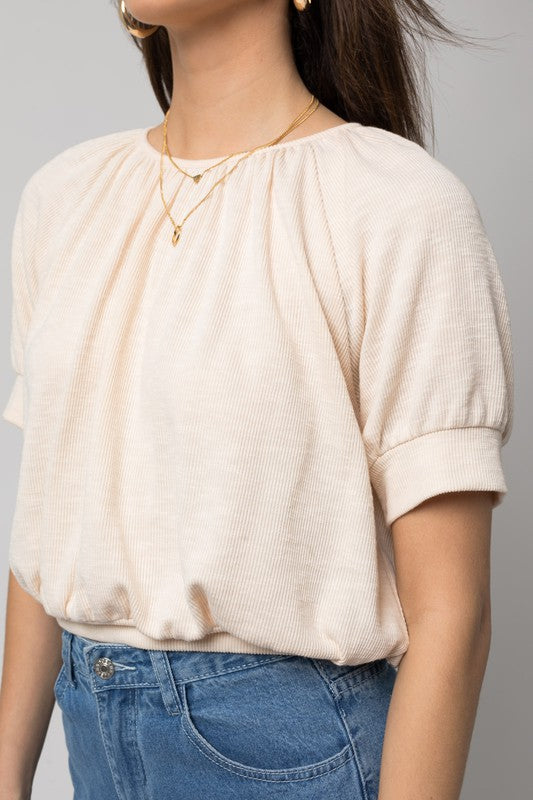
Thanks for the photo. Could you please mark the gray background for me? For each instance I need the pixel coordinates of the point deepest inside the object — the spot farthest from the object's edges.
(70, 73)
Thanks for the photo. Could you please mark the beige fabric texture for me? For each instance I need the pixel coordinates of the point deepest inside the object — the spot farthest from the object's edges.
(218, 436)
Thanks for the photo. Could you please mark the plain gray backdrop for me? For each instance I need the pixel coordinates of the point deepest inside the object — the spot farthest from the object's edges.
(70, 73)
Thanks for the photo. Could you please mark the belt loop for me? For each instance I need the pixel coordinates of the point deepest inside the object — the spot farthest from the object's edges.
(66, 654)
(166, 681)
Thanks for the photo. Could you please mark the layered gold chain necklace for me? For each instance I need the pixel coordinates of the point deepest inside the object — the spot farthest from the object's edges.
(176, 229)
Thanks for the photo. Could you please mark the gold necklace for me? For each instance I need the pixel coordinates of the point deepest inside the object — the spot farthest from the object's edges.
(303, 115)
(177, 228)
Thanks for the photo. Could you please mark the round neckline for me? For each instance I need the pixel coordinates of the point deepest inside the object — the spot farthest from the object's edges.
(149, 149)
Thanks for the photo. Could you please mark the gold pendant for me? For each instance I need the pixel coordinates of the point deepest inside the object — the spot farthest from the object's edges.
(176, 235)
(196, 178)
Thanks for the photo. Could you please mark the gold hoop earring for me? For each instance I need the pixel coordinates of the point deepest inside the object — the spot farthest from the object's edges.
(130, 23)
(301, 5)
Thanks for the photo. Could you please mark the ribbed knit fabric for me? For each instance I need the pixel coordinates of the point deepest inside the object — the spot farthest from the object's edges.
(219, 435)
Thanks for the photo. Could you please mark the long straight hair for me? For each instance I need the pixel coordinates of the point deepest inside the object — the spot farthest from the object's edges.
(364, 60)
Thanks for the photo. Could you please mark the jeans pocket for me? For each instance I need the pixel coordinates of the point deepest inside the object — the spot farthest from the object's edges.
(274, 721)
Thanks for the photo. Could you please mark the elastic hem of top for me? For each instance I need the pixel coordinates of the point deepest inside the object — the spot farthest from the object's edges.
(218, 641)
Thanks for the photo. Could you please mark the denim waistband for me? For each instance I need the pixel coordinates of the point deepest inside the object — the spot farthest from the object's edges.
(134, 664)
(107, 665)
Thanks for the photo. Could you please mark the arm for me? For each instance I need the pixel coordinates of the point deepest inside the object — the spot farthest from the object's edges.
(31, 663)
(32, 640)
(436, 388)
(442, 555)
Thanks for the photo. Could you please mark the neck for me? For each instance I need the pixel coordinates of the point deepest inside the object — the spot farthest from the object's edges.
(235, 83)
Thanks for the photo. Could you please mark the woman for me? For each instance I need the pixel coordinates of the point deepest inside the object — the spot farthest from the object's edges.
(263, 369)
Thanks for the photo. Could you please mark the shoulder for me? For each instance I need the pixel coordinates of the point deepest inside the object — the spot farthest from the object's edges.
(401, 214)
(391, 178)
(78, 162)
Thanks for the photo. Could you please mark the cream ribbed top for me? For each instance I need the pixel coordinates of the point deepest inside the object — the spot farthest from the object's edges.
(218, 435)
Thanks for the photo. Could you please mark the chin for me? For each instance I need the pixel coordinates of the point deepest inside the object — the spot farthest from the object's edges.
(168, 12)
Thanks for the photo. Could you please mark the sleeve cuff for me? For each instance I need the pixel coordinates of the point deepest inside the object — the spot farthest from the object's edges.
(452, 460)
(13, 411)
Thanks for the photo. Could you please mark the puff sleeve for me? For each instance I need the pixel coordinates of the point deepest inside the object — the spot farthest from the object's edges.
(436, 365)
(23, 285)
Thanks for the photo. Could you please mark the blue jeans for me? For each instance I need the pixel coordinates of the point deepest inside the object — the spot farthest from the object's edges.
(194, 725)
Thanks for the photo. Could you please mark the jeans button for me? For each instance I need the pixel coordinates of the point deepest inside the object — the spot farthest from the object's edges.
(104, 667)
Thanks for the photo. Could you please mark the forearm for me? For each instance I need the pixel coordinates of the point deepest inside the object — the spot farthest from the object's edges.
(31, 662)
(432, 711)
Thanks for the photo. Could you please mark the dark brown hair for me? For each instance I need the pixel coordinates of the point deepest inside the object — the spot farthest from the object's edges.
(362, 59)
